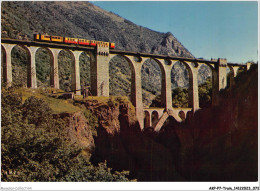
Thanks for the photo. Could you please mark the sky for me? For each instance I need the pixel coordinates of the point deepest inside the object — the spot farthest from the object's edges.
(208, 29)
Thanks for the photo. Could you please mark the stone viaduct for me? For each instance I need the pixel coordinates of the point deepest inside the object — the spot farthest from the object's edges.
(99, 66)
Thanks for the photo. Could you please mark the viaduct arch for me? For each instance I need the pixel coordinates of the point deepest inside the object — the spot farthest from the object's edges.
(99, 64)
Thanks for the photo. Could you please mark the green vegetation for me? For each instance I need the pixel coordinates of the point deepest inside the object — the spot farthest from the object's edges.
(36, 147)
(42, 62)
(205, 93)
(119, 77)
(180, 96)
(57, 105)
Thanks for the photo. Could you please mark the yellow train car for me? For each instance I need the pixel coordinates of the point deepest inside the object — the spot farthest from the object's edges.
(42, 37)
(68, 40)
(46, 37)
(56, 39)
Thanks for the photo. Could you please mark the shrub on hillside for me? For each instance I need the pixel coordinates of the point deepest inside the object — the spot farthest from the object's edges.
(35, 146)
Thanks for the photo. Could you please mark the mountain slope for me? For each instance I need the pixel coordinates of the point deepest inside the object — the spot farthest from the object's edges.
(83, 20)
(20, 20)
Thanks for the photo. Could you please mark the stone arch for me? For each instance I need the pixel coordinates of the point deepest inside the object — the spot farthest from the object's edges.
(43, 60)
(193, 85)
(130, 62)
(181, 114)
(205, 84)
(179, 84)
(3, 48)
(135, 64)
(66, 60)
(202, 68)
(155, 118)
(233, 72)
(211, 66)
(152, 77)
(189, 116)
(240, 70)
(192, 70)
(85, 69)
(3, 53)
(230, 73)
(93, 76)
(121, 71)
(20, 59)
(147, 119)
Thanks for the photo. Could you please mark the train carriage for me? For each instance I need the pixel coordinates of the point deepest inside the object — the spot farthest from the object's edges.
(56, 39)
(69, 40)
(93, 43)
(104, 44)
(41, 37)
(84, 42)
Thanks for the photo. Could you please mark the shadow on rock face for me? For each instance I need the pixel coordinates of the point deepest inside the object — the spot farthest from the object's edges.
(216, 144)
(134, 150)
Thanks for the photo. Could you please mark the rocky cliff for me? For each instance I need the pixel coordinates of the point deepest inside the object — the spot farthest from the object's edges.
(214, 145)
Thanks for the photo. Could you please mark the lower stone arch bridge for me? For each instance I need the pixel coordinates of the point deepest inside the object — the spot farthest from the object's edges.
(99, 79)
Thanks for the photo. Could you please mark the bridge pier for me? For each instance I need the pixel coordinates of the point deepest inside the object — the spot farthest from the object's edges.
(166, 90)
(233, 74)
(193, 89)
(136, 92)
(193, 92)
(54, 68)
(136, 87)
(7, 66)
(219, 80)
(31, 68)
(248, 65)
(100, 71)
(75, 76)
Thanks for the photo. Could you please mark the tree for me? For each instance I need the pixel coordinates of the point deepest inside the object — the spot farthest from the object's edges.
(36, 147)
(205, 93)
(180, 97)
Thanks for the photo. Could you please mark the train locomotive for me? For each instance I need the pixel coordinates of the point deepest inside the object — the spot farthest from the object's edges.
(69, 40)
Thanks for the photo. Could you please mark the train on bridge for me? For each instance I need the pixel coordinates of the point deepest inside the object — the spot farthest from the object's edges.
(69, 40)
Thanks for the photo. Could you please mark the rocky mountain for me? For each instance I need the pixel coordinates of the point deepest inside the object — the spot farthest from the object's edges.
(84, 20)
(20, 20)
